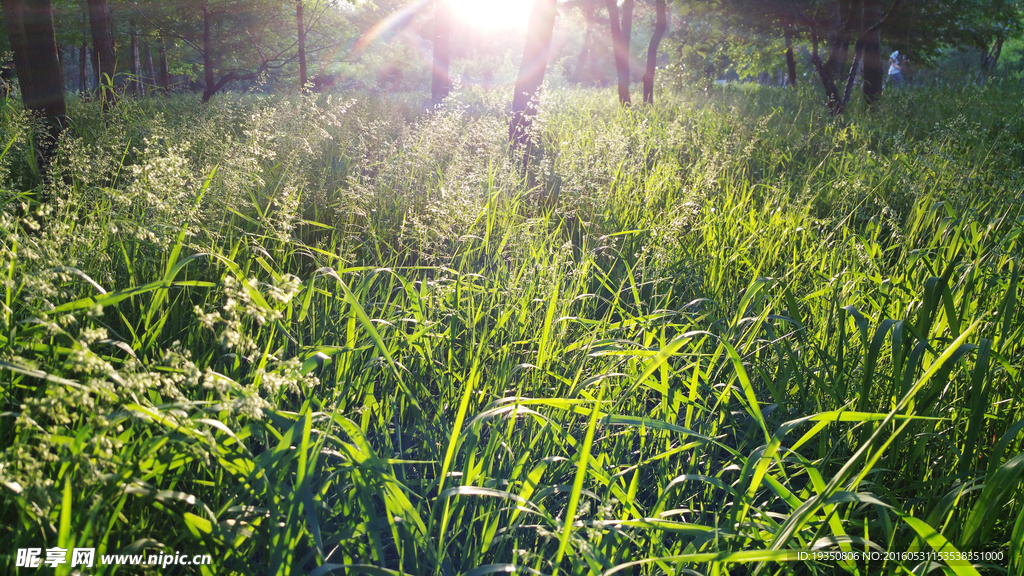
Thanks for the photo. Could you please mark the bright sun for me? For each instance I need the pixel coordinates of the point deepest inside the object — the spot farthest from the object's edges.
(491, 14)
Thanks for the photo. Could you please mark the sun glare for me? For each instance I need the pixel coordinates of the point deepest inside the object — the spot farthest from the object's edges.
(492, 14)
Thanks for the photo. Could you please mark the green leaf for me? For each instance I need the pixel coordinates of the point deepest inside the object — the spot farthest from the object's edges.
(939, 544)
(990, 507)
(197, 525)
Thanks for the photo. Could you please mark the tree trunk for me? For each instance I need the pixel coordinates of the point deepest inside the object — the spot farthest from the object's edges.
(134, 85)
(163, 79)
(837, 57)
(626, 26)
(147, 62)
(874, 70)
(990, 58)
(440, 83)
(840, 27)
(660, 25)
(994, 58)
(83, 55)
(94, 58)
(838, 40)
(790, 59)
(30, 29)
(859, 20)
(211, 59)
(621, 52)
(539, 30)
(103, 51)
(301, 25)
(851, 77)
(833, 98)
(208, 77)
(83, 63)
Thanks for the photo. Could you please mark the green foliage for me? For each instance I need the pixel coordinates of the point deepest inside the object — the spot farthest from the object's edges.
(337, 336)
(922, 29)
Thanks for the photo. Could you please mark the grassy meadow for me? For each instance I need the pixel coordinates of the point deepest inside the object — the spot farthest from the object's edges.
(340, 335)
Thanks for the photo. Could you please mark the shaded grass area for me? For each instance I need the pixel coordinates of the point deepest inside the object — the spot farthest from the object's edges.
(323, 335)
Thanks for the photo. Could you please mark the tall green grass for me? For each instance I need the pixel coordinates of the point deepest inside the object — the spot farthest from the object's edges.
(340, 336)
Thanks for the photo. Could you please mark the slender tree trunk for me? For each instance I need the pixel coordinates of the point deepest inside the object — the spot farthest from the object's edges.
(539, 30)
(134, 85)
(95, 60)
(103, 51)
(874, 70)
(211, 60)
(790, 59)
(626, 27)
(83, 55)
(163, 79)
(851, 77)
(301, 25)
(37, 64)
(660, 26)
(990, 58)
(833, 98)
(208, 77)
(994, 60)
(440, 83)
(838, 41)
(832, 95)
(621, 52)
(83, 66)
(147, 62)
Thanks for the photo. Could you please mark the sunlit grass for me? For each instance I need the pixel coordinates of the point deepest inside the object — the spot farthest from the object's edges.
(308, 335)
